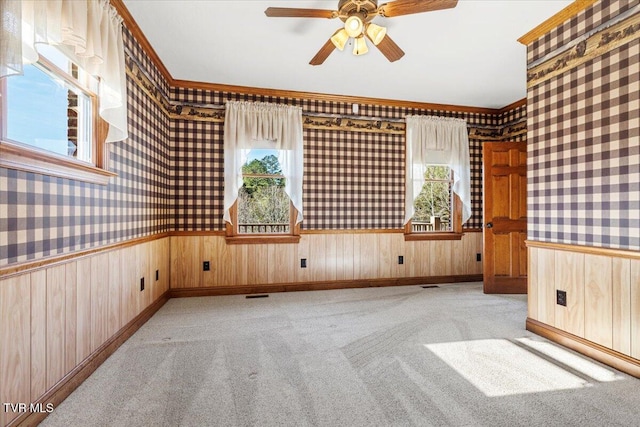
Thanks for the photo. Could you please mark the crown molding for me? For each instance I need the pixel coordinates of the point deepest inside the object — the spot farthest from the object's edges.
(610, 35)
(137, 33)
(567, 13)
(516, 104)
(323, 97)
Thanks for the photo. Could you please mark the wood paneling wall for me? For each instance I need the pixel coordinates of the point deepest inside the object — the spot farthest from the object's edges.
(603, 296)
(330, 257)
(54, 318)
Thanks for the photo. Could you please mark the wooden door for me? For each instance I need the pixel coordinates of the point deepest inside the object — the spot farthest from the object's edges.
(505, 217)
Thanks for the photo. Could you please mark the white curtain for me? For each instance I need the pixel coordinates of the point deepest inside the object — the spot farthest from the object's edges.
(249, 125)
(88, 31)
(11, 37)
(437, 141)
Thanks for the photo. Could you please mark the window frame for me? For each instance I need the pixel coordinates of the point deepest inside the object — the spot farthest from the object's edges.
(456, 218)
(233, 235)
(25, 157)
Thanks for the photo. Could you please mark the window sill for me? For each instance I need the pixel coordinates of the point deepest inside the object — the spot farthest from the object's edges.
(29, 159)
(432, 236)
(262, 239)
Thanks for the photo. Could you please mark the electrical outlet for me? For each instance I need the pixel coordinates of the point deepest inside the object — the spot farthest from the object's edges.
(206, 266)
(400, 259)
(157, 275)
(142, 284)
(561, 298)
(478, 257)
(303, 263)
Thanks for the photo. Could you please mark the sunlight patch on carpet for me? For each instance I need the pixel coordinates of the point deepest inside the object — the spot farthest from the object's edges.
(498, 367)
(577, 362)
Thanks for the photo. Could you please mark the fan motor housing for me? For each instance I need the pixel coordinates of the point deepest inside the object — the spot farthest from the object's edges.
(366, 9)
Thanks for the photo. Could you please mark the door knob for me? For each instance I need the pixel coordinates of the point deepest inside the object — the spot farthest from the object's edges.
(489, 225)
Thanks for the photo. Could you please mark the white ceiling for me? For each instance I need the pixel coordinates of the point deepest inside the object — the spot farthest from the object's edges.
(468, 55)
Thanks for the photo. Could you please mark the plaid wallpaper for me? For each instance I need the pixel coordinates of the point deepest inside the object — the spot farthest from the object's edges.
(198, 175)
(170, 177)
(353, 180)
(135, 51)
(580, 24)
(515, 115)
(584, 145)
(42, 215)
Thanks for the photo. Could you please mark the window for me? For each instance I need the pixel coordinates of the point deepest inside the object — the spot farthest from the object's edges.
(256, 131)
(437, 213)
(49, 120)
(440, 141)
(263, 208)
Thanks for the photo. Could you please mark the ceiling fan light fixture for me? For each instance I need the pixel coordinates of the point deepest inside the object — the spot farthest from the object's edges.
(353, 26)
(340, 38)
(376, 33)
(360, 46)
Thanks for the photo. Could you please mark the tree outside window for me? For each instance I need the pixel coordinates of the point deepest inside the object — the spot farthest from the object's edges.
(263, 205)
(433, 206)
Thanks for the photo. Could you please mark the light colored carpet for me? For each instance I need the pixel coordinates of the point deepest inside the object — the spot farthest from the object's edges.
(398, 356)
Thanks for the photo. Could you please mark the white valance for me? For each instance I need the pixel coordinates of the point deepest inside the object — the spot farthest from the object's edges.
(249, 125)
(89, 32)
(437, 141)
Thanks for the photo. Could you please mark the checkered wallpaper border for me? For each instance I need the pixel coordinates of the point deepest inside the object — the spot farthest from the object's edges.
(514, 115)
(580, 24)
(210, 97)
(131, 45)
(513, 118)
(584, 151)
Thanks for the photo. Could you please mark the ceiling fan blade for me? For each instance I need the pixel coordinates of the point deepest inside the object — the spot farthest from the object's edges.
(290, 12)
(390, 49)
(323, 53)
(407, 7)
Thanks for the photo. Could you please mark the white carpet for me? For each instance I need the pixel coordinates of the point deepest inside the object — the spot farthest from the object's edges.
(397, 356)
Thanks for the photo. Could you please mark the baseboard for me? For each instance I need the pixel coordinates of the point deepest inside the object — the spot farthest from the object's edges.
(610, 357)
(318, 286)
(80, 373)
(74, 378)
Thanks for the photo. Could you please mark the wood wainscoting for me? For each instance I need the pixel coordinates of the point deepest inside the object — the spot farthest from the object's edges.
(60, 318)
(59, 322)
(333, 260)
(601, 317)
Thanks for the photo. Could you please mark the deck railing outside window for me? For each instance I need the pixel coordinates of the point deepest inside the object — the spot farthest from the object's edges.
(263, 228)
(436, 224)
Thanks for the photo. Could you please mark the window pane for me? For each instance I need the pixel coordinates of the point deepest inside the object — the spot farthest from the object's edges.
(56, 57)
(263, 162)
(433, 204)
(263, 206)
(46, 112)
(438, 172)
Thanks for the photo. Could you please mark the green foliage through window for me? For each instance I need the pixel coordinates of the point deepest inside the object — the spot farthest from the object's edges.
(263, 205)
(433, 205)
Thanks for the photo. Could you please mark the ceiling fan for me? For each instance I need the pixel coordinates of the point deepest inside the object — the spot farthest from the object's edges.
(357, 16)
